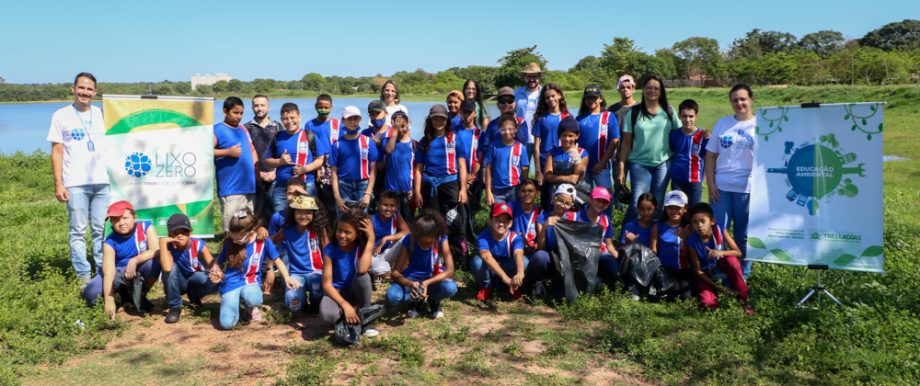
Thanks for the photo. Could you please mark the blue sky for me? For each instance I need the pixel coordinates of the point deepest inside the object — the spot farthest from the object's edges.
(127, 41)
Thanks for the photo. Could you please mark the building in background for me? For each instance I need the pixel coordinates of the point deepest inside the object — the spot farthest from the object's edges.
(208, 79)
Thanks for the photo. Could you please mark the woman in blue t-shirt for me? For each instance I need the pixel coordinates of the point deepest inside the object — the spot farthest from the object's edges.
(425, 268)
(399, 157)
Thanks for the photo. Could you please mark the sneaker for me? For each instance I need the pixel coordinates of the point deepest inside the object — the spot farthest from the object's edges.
(748, 310)
(194, 302)
(255, 314)
(370, 332)
(146, 305)
(412, 314)
(484, 294)
(173, 315)
(439, 314)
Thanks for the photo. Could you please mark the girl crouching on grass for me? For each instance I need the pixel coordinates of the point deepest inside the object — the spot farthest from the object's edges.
(241, 257)
(713, 253)
(125, 259)
(425, 267)
(346, 260)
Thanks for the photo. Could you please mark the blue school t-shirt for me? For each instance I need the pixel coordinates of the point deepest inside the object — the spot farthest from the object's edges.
(330, 131)
(644, 234)
(383, 228)
(502, 250)
(128, 246)
(188, 261)
(441, 158)
(547, 128)
(353, 158)
(234, 175)
(344, 264)
(687, 155)
(715, 243)
(276, 222)
(597, 130)
(669, 246)
(398, 176)
(469, 140)
(423, 263)
(298, 148)
(455, 121)
(525, 223)
(250, 272)
(493, 133)
(563, 163)
(370, 131)
(506, 162)
(304, 250)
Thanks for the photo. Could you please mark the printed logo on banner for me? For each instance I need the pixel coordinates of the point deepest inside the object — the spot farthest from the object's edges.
(816, 171)
(137, 164)
(164, 165)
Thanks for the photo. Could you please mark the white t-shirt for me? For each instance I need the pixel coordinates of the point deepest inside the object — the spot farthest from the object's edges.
(83, 136)
(533, 99)
(734, 142)
(394, 108)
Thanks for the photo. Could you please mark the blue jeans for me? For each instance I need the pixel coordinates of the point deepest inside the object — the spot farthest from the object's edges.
(504, 195)
(251, 296)
(279, 194)
(352, 190)
(538, 265)
(294, 299)
(149, 270)
(693, 190)
(484, 275)
(398, 295)
(87, 205)
(608, 267)
(732, 210)
(197, 285)
(644, 179)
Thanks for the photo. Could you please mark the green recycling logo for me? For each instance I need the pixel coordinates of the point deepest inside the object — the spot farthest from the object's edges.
(818, 171)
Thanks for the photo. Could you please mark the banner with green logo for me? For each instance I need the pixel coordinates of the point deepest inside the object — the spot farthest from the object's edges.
(161, 157)
(816, 194)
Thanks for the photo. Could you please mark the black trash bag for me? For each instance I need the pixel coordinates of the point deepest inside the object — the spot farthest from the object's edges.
(575, 257)
(136, 288)
(350, 334)
(642, 273)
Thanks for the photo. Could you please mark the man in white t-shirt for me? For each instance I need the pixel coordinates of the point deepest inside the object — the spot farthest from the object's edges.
(526, 99)
(80, 179)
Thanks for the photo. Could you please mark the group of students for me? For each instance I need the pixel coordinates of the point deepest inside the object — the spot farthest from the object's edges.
(352, 206)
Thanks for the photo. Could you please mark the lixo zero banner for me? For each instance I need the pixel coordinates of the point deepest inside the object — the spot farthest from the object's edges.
(161, 157)
(816, 195)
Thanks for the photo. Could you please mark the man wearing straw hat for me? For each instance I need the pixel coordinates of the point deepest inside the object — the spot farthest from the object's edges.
(526, 98)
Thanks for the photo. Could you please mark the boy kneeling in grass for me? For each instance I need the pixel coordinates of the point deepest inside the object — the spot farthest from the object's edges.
(186, 264)
(501, 255)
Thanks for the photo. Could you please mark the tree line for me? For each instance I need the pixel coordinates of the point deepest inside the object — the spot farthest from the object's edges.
(887, 55)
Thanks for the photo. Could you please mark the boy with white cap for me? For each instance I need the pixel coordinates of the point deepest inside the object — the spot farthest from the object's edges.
(353, 161)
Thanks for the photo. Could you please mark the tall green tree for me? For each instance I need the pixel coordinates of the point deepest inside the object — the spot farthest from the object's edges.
(904, 34)
(823, 43)
(698, 56)
(758, 43)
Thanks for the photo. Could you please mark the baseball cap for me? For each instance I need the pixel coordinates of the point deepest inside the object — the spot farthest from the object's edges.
(505, 91)
(303, 202)
(593, 90)
(467, 105)
(601, 193)
(568, 189)
(569, 124)
(675, 198)
(399, 113)
(118, 208)
(438, 111)
(500, 209)
(350, 111)
(376, 105)
(625, 79)
(178, 221)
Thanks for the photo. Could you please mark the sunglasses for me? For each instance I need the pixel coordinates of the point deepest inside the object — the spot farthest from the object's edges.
(506, 101)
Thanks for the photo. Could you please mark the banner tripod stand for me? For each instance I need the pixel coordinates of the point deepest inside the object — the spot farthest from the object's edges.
(818, 289)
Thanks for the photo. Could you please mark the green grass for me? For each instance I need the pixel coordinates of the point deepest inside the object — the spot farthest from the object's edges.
(873, 339)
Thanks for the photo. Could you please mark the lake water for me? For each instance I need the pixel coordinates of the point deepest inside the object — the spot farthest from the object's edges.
(24, 126)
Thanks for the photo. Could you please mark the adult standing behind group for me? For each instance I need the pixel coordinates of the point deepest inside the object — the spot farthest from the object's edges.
(728, 165)
(645, 144)
(262, 129)
(527, 97)
(389, 94)
(80, 179)
(472, 92)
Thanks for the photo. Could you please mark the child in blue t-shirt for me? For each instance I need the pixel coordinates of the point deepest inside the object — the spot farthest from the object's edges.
(346, 261)
(667, 240)
(506, 164)
(296, 153)
(425, 267)
(353, 161)
(241, 259)
(688, 150)
(501, 256)
(328, 131)
(551, 111)
(640, 229)
(600, 136)
(235, 161)
(126, 258)
(713, 253)
(186, 264)
(389, 229)
(399, 156)
(469, 136)
(566, 163)
(302, 239)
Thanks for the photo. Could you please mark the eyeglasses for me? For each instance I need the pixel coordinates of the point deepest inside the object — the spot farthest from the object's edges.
(506, 101)
(564, 204)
